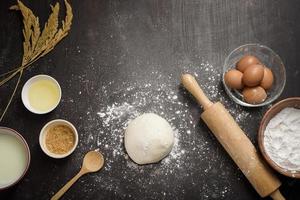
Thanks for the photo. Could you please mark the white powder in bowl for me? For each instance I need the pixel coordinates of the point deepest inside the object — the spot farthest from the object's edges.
(282, 139)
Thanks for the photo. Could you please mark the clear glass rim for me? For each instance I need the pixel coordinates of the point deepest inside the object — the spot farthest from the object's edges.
(268, 101)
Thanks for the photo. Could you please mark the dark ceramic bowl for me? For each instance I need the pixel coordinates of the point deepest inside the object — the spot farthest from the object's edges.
(289, 102)
(9, 131)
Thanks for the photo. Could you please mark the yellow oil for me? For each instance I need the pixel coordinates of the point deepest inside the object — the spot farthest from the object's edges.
(43, 95)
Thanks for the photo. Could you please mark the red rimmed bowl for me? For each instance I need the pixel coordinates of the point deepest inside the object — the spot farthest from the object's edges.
(289, 102)
(14, 157)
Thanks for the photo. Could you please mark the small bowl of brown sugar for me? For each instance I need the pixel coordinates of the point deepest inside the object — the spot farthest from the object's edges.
(58, 138)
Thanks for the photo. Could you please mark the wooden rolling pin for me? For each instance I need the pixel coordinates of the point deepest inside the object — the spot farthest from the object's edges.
(235, 142)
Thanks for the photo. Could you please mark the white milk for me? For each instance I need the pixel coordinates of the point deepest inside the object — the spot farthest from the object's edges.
(13, 159)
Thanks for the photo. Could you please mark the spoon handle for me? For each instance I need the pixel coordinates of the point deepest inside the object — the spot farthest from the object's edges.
(67, 185)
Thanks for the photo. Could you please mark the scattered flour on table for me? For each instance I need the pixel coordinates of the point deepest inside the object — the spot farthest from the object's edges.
(119, 105)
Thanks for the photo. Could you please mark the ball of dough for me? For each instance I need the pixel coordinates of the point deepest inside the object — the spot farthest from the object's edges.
(148, 139)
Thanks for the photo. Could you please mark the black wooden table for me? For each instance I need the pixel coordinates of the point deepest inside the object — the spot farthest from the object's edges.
(124, 58)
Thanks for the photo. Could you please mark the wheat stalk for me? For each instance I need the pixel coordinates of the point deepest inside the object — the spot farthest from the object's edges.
(37, 44)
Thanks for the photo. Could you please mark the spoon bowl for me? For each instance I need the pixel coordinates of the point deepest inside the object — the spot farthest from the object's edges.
(93, 161)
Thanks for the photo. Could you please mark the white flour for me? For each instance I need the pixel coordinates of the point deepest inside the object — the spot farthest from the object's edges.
(282, 139)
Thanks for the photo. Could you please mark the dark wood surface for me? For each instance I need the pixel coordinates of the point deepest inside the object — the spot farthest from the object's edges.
(116, 45)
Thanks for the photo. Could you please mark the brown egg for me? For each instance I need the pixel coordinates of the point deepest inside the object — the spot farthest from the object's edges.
(268, 79)
(253, 75)
(233, 79)
(246, 61)
(254, 95)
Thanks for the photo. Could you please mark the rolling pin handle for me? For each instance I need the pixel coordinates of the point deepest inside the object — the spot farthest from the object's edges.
(276, 195)
(190, 83)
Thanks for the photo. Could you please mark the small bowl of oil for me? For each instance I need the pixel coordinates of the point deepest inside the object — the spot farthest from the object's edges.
(41, 94)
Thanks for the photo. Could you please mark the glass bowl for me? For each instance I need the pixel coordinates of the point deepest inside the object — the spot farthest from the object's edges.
(269, 58)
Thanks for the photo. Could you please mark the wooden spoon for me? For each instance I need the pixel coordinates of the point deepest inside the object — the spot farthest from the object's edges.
(92, 162)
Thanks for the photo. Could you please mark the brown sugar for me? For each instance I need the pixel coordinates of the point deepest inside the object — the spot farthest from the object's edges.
(60, 139)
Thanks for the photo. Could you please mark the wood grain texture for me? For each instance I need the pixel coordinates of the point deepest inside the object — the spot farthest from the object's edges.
(240, 149)
(121, 42)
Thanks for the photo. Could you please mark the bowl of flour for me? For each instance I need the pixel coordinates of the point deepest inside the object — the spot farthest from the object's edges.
(279, 137)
